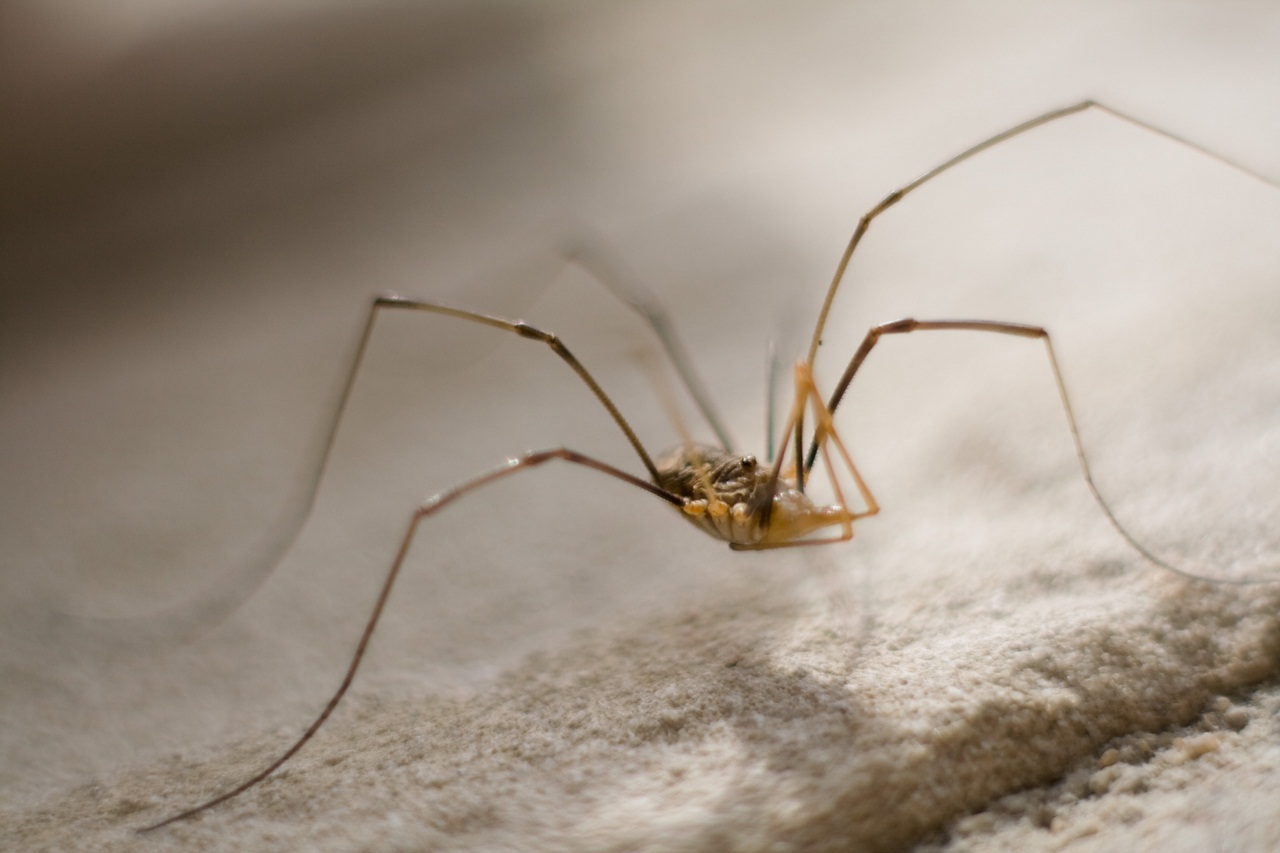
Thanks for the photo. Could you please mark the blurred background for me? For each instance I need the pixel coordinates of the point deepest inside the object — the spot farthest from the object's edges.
(199, 199)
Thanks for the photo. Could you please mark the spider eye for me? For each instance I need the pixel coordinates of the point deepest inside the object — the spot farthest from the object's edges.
(748, 462)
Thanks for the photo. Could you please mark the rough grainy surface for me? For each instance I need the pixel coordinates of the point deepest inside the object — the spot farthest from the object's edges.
(1205, 786)
(746, 723)
(564, 665)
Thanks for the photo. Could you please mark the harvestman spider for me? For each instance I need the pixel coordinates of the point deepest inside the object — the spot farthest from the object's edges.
(728, 495)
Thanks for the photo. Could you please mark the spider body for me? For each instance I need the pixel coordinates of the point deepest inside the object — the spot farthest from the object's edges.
(733, 497)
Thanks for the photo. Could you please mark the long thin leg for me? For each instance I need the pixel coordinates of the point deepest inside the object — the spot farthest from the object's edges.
(806, 392)
(209, 608)
(431, 506)
(899, 327)
(773, 376)
(897, 195)
(524, 330)
(826, 432)
(605, 266)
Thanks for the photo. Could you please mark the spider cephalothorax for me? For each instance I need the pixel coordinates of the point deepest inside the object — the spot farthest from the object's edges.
(688, 471)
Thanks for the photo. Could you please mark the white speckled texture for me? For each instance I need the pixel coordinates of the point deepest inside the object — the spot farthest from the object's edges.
(565, 666)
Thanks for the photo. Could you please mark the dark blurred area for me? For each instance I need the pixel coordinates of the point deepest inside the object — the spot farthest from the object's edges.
(93, 120)
(139, 142)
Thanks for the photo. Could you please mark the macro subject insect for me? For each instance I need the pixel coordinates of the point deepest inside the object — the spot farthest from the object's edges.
(751, 502)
